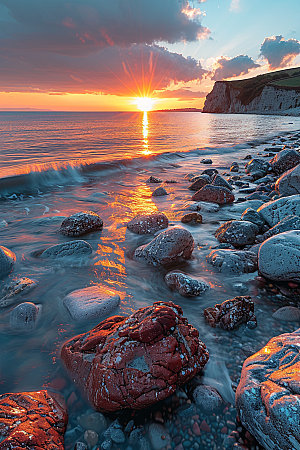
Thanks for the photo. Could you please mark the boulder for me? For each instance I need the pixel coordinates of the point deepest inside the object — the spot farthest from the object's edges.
(289, 182)
(251, 215)
(233, 262)
(81, 223)
(274, 211)
(237, 232)
(192, 218)
(214, 194)
(185, 284)
(93, 302)
(289, 223)
(24, 317)
(267, 397)
(166, 248)
(7, 260)
(279, 257)
(231, 313)
(32, 420)
(285, 160)
(148, 223)
(68, 249)
(220, 181)
(201, 181)
(159, 192)
(135, 361)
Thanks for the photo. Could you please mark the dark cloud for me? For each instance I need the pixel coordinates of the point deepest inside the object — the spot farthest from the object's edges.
(181, 94)
(279, 52)
(133, 71)
(232, 67)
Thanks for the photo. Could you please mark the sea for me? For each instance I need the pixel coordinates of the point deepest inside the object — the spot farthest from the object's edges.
(54, 164)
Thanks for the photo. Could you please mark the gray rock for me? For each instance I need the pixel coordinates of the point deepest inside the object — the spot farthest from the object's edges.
(287, 314)
(24, 316)
(251, 215)
(185, 284)
(289, 182)
(207, 398)
(237, 232)
(134, 436)
(204, 207)
(289, 223)
(233, 261)
(148, 223)
(117, 435)
(81, 223)
(241, 207)
(257, 165)
(107, 444)
(68, 249)
(159, 437)
(153, 179)
(274, 211)
(220, 181)
(91, 438)
(80, 446)
(234, 167)
(17, 286)
(169, 246)
(92, 421)
(279, 257)
(159, 192)
(285, 160)
(93, 302)
(7, 260)
(201, 181)
(206, 161)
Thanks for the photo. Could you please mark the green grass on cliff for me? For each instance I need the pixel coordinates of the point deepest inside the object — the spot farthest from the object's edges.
(253, 87)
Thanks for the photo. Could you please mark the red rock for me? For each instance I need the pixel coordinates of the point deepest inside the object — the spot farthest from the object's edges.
(204, 426)
(214, 194)
(293, 285)
(32, 420)
(148, 223)
(230, 313)
(196, 429)
(224, 430)
(133, 362)
(192, 218)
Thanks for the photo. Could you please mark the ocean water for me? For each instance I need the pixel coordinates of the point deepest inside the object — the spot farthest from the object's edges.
(56, 164)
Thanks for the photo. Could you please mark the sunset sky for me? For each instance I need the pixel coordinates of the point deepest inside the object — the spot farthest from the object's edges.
(99, 55)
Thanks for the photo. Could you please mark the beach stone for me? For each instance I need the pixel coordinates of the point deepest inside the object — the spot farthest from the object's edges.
(233, 262)
(159, 437)
(192, 218)
(251, 215)
(81, 223)
(279, 257)
(153, 179)
(287, 224)
(19, 285)
(206, 161)
(169, 246)
(24, 317)
(91, 438)
(135, 361)
(220, 181)
(267, 397)
(68, 249)
(289, 182)
(234, 167)
(204, 207)
(207, 398)
(148, 223)
(274, 211)
(287, 314)
(185, 284)
(241, 207)
(80, 446)
(231, 313)
(237, 232)
(107, 444)
(214, 194)
(210, 172)
(7, 260)
(93, 421)
(32, 420)
(257, 166)
(159, 192)
(201, 181)
(93, 302)
(285, 160)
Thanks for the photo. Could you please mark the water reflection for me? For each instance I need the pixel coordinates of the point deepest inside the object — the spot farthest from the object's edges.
(146, 150)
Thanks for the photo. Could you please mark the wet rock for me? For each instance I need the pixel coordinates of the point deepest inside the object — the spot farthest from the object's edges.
(220, 181)
(68, 249)
(274, 211)
(167, 247)
(192, 218)
(148, 223)
(92, 421)
(24, 316)
(32, 420)
(285, 160)
(289, 223)
(251, 215)
(107, 444)
(185, 284)
(159, 192)
(81, 223)
(241, 207)
(287, 314)
(234, 167)
(154, 180)
(91, 438)
(159, 437)
(258, 166)
(80, 446)
(17, 286)
(201, 181)
(279, 257)
(207, 398)
(289, 182)
(214, 194)
(93, 302)
(233, 262)
(267, 397)
(135, 361)
(231, 313)
(237, 232)
(204, 207)
(7, 260)
(117, 435)
(206, 161)
(210, 172)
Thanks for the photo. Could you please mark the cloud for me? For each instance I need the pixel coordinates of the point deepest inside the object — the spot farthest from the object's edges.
(226, 67)
(235, 6)
(133, 71)
(279, 52)
(181, 94)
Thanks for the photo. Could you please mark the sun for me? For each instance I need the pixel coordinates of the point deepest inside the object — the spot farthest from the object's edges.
(144, 103)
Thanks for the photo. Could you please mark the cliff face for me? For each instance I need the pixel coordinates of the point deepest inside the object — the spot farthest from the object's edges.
(273, 100)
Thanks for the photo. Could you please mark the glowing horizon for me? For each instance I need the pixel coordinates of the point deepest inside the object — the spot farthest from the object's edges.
(144, 104)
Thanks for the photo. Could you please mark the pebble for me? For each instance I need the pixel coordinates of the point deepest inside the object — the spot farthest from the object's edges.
(159, 437)
(204, 426)
(91, 437)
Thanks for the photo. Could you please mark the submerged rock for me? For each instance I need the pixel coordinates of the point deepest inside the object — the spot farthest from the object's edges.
(275, 211)
(287, 314)
(32, 420)
(81, 223)
(233, 261)
(207, 398)
(185, 284)
(231, 313)
(7, 260)
(159, 437)
(135, 361)
(214, 194)
(267, 397)
(237, 232)
(68, 249)
(19, 285)
(167, 247)
(148, 223)
(24, 317)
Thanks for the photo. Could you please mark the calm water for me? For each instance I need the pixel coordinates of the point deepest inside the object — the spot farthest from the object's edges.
(56, 164)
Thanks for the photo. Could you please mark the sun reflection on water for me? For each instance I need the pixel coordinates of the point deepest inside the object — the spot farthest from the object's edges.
(146, 150)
